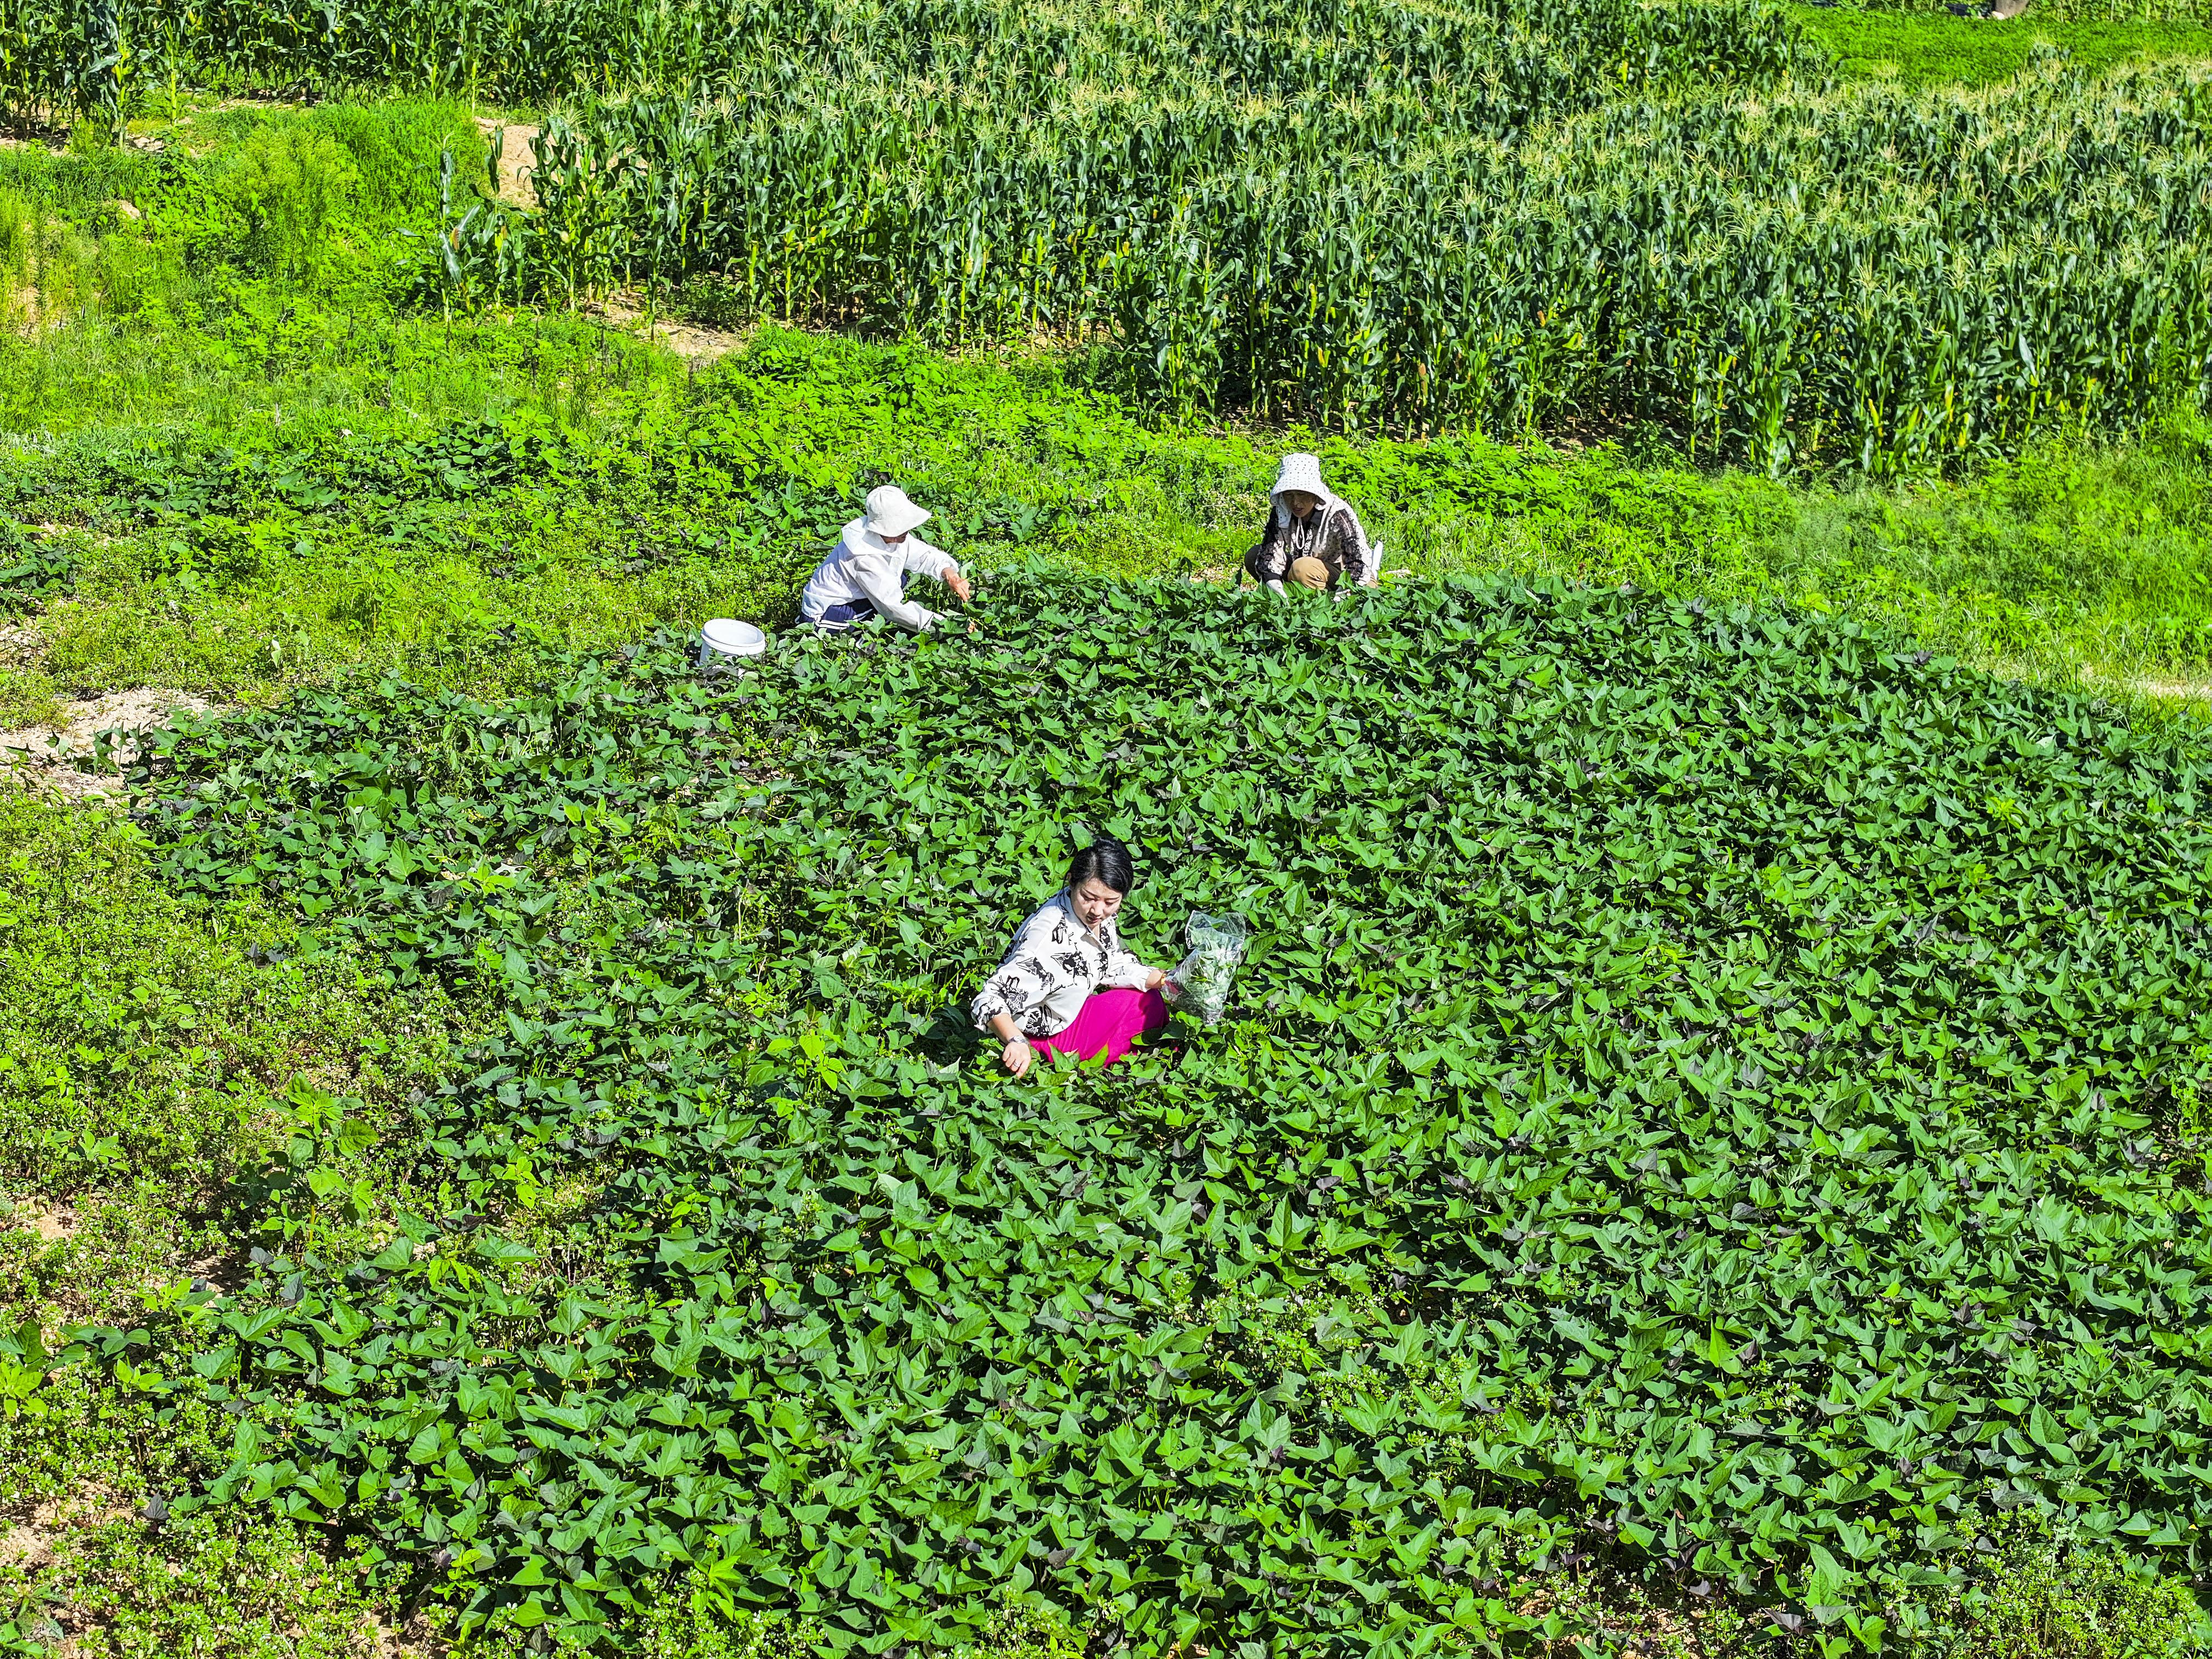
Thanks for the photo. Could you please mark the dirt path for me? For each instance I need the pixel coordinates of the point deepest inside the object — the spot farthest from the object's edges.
(698, 343)
(46, 756)
(2178, 690)
(517, 160)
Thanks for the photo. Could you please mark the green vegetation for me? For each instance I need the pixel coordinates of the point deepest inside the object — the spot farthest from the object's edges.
(272, 478)
(1352, 212)
(488, 1134)
(1703, 1147)
(236, 573)
(143, 1039)
(1349, 234)
(2042, 13)
(254, 273)
(210, 1588)
(544, 51)
(2035, 1601)
(1924, 48)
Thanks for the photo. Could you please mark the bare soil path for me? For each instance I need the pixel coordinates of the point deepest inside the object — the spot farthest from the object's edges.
(518, 159)
(47, 756)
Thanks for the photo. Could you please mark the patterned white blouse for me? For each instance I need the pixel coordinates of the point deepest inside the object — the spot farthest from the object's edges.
(1051, 970)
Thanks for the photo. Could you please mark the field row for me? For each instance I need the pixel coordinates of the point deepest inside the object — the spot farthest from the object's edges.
(81, 55)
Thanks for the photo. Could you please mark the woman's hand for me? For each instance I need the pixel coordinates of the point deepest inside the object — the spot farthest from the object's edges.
(1016, 1056)
(1157, 979)
(958, 584)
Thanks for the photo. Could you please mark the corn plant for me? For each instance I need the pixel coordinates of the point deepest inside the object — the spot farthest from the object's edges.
(64, 60)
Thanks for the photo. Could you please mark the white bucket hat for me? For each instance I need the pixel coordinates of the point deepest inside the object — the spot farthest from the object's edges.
(890, 513)
(1301, 471)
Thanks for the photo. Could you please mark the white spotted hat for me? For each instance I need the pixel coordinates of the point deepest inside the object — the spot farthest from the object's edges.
(1300, 472)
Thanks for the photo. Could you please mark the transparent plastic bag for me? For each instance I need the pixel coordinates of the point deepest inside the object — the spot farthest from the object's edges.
(1201, 983)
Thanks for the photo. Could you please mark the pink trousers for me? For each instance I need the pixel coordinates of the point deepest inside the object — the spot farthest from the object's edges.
(1110, 1021)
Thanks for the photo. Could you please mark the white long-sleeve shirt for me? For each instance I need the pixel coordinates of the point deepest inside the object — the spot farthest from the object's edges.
(1051, 968)
(864, 566)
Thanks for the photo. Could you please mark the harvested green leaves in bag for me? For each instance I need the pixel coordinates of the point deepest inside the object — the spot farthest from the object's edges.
(1201, 982)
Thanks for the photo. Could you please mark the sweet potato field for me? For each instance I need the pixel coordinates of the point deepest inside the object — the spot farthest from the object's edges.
(1708, 1107)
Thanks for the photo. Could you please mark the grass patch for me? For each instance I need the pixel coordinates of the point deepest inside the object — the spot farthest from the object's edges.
(1933, 48)
(147, 1045)
(196, 1589)
(254, 274)
(237, 573)
(144, 1035)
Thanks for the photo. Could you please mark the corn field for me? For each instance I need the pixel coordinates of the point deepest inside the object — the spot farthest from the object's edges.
(1897, 280)
(61, 60)
(1544, 52)
(1362, 213)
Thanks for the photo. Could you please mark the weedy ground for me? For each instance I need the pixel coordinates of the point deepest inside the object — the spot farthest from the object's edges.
(1932, 47)
(245, 464)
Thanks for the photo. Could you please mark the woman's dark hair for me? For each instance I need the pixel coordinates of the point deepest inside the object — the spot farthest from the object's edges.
(1104, 861)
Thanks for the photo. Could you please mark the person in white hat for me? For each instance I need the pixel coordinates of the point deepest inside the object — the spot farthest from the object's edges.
(865, 575)
(1313, 537)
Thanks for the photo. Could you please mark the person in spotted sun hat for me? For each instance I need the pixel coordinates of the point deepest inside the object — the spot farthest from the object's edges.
(865, 575)
(1313, 537)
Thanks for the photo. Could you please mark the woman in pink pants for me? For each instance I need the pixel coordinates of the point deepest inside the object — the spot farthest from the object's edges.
(1067, 986)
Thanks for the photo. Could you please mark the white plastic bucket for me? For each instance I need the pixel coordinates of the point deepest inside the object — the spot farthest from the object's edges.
(724, 641)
